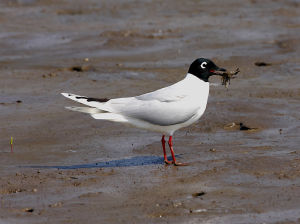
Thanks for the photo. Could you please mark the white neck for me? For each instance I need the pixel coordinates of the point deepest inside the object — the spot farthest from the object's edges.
(194, 78)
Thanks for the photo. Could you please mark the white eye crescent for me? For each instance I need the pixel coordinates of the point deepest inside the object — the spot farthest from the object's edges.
(203, 65)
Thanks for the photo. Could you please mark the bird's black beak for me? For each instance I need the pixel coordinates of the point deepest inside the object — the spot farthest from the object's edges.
(218, 71)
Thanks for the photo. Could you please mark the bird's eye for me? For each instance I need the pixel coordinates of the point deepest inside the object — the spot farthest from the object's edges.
(203, 64)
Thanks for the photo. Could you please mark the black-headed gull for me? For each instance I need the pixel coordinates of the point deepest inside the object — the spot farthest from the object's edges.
(165, 110)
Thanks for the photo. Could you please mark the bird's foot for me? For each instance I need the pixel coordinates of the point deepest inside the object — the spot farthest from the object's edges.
(180, 164)
(167, 162)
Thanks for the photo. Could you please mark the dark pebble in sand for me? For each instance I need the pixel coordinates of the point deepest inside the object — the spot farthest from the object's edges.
(79, 68)
(28, 210)
(76, 69)
(19, 101)
(260, 63)
(199, 194)
(243, 127)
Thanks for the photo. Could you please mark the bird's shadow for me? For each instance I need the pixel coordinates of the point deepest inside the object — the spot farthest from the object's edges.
(129, 162)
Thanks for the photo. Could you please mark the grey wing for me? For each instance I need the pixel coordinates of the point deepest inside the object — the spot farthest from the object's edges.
(156, 112)
(171, 93)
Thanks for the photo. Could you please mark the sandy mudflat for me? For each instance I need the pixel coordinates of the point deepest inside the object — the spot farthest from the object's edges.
(69, 168)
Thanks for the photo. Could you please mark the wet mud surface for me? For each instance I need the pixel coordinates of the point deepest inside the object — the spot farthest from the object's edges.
(68, 168)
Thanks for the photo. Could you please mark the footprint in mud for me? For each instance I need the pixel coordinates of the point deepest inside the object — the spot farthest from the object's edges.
(79, 68)
(261, 63)
(10, 103)
(198, 194)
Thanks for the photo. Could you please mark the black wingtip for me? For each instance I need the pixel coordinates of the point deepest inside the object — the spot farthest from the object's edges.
(90, 99)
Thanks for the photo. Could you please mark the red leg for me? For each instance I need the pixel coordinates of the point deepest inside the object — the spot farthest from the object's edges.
(173, 155)
(163, 142)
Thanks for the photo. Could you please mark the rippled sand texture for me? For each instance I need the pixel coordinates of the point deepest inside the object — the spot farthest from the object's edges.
(69, 168)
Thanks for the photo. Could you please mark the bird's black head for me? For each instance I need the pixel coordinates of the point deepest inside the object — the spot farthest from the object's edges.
(204, 68)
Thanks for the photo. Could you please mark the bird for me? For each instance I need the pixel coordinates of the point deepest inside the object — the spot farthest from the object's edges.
(165, 110)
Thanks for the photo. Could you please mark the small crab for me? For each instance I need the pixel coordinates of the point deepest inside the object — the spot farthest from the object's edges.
(226, 76)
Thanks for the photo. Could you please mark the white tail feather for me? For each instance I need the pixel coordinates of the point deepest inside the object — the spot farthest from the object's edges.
(84, 100)
(88, 110)
(110, 117)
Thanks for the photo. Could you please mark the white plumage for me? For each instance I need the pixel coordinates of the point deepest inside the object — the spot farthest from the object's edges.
(165, 110)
